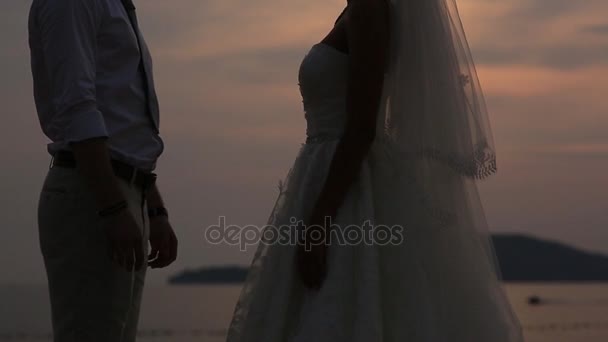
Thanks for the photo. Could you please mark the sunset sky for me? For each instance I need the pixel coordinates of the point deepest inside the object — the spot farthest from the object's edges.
(226, 73)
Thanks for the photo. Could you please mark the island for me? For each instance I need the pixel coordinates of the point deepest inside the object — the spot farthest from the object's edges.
(527, 259)
(522, 258)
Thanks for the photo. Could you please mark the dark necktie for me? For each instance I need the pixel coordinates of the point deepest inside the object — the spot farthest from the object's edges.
(151, 98)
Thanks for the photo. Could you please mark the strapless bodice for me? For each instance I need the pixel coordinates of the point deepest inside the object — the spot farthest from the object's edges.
(323, 78)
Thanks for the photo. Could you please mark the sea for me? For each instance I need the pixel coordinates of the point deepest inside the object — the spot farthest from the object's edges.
(571, 312)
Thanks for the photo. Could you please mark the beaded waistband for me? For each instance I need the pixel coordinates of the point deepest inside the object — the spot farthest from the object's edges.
(321, 138)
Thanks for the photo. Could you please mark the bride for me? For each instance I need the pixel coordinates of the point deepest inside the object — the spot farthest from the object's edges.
(397, 136)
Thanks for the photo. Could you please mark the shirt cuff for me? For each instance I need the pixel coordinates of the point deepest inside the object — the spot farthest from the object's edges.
(86, 125)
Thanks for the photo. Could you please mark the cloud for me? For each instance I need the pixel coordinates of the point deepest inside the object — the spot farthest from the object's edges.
(578, 150)
(226, 73)
(599, 29)
(252, 66)
(548, 9)
(541, 33)
(568, 55)
(208, 28)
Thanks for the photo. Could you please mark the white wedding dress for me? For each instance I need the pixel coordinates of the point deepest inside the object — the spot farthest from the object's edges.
(438, 285)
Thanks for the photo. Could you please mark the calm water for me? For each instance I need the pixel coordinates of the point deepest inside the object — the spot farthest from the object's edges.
(572, 313)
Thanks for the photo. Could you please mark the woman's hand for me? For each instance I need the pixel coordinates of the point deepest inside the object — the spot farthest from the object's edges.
(311, 254)
(311, 265)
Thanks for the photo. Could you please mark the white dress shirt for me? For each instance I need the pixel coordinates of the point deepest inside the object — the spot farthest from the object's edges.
(89, 79)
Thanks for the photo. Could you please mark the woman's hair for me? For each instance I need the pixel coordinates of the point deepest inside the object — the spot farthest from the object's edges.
(341, 15)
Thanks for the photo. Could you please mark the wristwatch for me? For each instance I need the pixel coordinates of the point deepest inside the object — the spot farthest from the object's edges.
(159, 211)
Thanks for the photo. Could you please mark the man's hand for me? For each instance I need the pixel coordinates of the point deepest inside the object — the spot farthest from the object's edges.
(163, 242)
(125, 241)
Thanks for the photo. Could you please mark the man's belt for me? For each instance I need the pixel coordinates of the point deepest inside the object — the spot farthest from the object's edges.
(133, 175)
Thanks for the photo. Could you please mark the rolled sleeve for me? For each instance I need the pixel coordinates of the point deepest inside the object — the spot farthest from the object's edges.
(85, 123)
(68, 31)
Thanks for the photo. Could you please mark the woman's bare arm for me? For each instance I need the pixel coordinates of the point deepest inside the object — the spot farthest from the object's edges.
(368, 43)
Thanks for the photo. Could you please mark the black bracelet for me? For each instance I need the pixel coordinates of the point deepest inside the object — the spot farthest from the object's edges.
(159, 211)
(113, 209)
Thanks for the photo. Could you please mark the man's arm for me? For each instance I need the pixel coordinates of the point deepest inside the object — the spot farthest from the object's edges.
(162, 237)
(68, 30)
(93, 162)
(154, 198)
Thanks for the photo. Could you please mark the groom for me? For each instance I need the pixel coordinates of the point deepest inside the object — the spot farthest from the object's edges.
(99, 205)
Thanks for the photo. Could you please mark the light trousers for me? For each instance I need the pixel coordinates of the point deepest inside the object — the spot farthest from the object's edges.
(92, 298)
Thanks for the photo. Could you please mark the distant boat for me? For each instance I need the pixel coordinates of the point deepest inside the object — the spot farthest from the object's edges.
(217, 275)
(534, 300)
